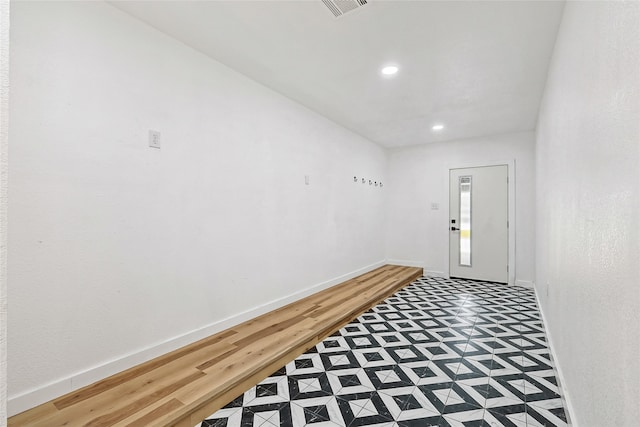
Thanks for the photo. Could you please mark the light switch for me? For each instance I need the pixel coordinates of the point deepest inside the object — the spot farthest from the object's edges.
(154, 139)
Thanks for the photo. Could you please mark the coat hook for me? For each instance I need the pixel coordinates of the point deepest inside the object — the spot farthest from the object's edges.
(370, 182)
(355, 179)
(376, 183)
(363, 180)
(380, 183)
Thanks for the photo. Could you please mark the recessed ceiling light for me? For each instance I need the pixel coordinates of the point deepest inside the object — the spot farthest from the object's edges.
(437, 127)
(389, 70)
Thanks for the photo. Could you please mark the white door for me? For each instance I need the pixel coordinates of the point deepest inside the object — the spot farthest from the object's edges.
(478, 226)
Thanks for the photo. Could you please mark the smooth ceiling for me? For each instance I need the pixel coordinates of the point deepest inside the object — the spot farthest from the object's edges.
(478, 67)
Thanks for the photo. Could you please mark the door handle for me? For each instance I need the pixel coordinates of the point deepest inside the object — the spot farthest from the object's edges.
(455, 229)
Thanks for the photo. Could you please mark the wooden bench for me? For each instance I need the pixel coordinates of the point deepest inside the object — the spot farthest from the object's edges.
(183, 387)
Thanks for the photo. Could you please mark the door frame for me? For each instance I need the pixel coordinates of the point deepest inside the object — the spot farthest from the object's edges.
(511, 206)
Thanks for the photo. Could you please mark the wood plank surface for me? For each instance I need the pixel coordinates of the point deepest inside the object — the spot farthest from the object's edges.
(182, 387)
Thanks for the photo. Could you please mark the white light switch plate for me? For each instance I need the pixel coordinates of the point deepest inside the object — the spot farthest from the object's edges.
(154, 139)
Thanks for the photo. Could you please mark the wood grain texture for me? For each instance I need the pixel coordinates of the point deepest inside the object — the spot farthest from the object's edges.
(182, 387)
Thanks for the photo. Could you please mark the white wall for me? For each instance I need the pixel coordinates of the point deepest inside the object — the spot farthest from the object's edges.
(588, 207)
(419, 176)
(4, 143)
(115, 247)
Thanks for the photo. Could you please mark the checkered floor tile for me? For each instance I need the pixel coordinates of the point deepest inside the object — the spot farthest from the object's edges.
(441, 352)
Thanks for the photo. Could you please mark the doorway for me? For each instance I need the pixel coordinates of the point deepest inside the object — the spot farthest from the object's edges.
(478, 223)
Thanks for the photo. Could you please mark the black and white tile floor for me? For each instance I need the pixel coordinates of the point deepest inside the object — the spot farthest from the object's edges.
(440, 352)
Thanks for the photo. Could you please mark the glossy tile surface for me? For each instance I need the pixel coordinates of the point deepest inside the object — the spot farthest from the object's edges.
(442, 352)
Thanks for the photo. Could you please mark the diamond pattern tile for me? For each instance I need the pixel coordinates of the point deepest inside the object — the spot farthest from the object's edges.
(440, 352)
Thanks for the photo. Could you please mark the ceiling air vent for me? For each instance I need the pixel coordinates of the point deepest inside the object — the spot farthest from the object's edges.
(340, 7)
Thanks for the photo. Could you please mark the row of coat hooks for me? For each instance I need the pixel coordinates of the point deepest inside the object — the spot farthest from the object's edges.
(371, 182)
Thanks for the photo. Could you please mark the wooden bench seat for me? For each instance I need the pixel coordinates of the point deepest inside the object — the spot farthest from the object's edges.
(181, 388)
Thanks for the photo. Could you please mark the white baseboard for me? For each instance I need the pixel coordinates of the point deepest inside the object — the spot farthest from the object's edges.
(44, 393)
(434, 273)
(525, 283)
(413, 263)
(566, 398)
(406, 262)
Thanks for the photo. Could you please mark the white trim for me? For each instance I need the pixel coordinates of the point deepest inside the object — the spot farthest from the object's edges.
(37, 396)
(511, 173)
(406, 262)
(557, 370)
(525, 283)
(433, 273)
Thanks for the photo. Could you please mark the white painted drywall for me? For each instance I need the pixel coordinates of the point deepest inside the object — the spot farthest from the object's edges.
(115, 247)
(588, 209)
(4, 143)
(419, 177)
